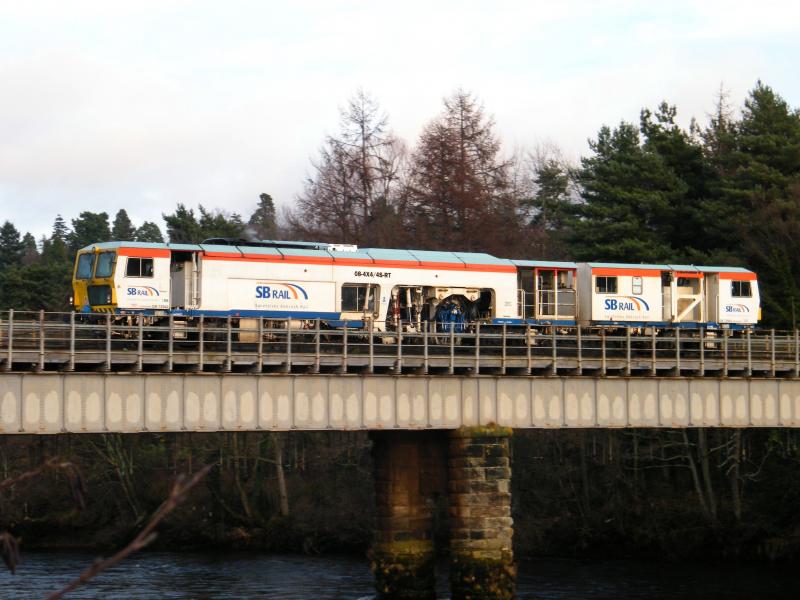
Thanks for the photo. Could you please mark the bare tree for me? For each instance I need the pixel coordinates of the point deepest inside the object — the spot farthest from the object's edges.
(350, 197)
(458, 191)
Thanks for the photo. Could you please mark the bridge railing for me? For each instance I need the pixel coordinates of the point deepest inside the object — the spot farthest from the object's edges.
(69, 341)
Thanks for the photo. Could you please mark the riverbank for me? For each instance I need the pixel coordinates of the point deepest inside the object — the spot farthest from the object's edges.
(576, 494)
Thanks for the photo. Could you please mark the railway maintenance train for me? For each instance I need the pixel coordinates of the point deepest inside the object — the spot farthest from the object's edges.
(385, 289)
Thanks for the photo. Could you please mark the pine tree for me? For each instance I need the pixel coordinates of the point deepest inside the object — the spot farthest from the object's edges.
(149, 232)
(686, 223)
(182, 226)
(11, 246)
(30, 252)
(628, 192)
(262, 222)
(123, 230)
(89, 228)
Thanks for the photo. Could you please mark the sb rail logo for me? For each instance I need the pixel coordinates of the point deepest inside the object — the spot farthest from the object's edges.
(142, 290)
(281, 291)
(737, 308)
(626, 303)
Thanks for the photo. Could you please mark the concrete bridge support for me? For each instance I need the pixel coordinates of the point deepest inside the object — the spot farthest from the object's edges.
(410, 474)
(479, 495)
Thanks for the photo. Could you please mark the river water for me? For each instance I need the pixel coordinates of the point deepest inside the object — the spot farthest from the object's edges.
(163, 575)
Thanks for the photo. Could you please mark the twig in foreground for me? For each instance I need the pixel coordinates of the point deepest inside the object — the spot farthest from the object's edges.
(178, 494)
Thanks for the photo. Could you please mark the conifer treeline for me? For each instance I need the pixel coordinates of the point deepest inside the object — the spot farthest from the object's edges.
(727, 192)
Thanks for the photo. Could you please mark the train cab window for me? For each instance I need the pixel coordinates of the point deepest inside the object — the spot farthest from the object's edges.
(105, 265)
(741, 289)
(139, 267)
(85, 266)
(605, 285)
(636, 285)
(358, 298)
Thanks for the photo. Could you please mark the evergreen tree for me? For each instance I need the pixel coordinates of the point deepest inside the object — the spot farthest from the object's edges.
(60, 230)
(182, 226)
(628, 192)
(89, 228)
(762, 188)
(11, 246)
(262, 222)
(215, 223)
(30, 252)
(149, 232)
(123, 230)
(685, 224)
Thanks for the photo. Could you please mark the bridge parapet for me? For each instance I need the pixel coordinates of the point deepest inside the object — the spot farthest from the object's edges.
(50, 403)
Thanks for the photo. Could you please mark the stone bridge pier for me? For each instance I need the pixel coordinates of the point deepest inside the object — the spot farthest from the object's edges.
(470, 468)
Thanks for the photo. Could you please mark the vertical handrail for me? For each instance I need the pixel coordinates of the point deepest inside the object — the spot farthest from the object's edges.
(452, 368)
(398, 365)
(425, 332)
(749, 354)
(288, 367)
(529, 355)
(108, 342)
(627, 351)
(261, 344)
(10, 349)
(41, 341)
(171, 344)
(654, 356)
(140, 342)
(201, 347)
(772, 351)
(677, 351)
(579, 343)
(371, 346)
(603, 350)
(554, 367)
(504, 350)
(702, 351)
(477, 367)
(343, 365)
(228, 343)
(318, 346)
(71, 366)
(725, 333)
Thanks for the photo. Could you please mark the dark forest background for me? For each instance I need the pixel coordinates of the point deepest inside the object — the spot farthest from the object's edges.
(726, 191)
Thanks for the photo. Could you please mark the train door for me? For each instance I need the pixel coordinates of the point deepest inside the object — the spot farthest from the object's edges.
(526, 293)
(711, 284)
(555, 293)
(184, 271)
(687, 297)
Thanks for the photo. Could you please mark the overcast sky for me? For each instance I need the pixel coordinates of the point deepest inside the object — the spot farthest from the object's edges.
(145, 104)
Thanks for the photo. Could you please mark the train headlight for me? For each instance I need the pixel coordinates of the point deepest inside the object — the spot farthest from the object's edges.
(108, 297)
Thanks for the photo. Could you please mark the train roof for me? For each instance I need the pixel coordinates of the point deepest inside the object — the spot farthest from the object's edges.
(553, 264)
(320, 250)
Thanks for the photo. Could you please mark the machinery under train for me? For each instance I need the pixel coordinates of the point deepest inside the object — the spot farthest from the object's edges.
(386, 289)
